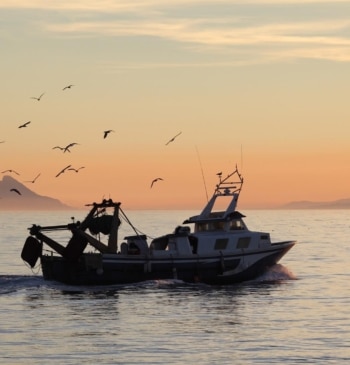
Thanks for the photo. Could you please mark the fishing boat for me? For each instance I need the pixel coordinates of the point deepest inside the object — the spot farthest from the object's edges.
(214, 247)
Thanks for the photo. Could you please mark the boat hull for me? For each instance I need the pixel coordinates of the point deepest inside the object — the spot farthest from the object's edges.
(110, 269)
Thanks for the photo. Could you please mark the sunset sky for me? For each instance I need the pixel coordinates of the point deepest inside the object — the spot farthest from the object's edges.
(261, 84)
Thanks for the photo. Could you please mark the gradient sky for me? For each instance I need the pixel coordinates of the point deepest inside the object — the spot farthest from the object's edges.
(261, 84)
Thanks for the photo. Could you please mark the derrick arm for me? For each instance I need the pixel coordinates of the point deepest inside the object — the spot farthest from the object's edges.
(93, 241)
(32, 249)
(36, 231)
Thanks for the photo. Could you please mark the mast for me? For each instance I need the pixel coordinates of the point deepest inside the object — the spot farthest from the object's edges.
(225, 187)
(113, 236)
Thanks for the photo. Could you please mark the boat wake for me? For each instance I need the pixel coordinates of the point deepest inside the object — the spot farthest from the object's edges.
(276, 273)
(13, 283)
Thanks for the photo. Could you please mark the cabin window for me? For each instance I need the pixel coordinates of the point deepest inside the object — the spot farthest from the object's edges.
(221, 244)
(211, 226)
(218, 226)
(202, 227)
(236, 225)
(243, 242)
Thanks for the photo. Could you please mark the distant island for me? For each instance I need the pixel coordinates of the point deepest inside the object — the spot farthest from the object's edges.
(24, 198)
(335, 204)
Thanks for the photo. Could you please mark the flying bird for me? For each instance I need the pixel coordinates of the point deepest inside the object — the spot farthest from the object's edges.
(67, 87)
(10, 171)
(67, 148)
(63, 170)
(61, 148)
(173, 139)
(39, 98)
(76, 170)
(155, 180)
(106, 133)
(33, 181)
(2, 141)
(16, 191)
(24, 125)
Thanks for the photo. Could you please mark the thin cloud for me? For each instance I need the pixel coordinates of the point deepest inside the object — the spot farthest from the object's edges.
(318, 40)
(338, 54)
(219, 34)
(244, 33)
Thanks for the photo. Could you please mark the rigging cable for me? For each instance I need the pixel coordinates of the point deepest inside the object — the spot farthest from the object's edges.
(200, 164)
(137, 231)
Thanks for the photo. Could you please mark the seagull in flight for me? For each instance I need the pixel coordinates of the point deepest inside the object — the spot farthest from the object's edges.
(33, 181)
(39, 98)
(173, 139)
(67, 148)
(24, 125)
(155, 180)
(63, 170)
(16, 191)
(2, 141)
(58, 147)
(76, 170)
(106, 133)
(10, 171)
(67, 87)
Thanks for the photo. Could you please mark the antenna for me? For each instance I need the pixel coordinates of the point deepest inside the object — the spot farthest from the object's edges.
(200, 164)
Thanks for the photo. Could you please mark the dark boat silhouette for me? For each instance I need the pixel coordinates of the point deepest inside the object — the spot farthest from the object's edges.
(219, 249)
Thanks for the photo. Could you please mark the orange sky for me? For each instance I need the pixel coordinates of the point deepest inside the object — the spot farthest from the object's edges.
(276, 105)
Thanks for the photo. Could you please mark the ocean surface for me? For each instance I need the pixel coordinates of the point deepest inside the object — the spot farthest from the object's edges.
(297, 313)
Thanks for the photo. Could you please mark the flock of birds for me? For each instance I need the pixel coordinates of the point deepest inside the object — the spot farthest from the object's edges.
(67, 148)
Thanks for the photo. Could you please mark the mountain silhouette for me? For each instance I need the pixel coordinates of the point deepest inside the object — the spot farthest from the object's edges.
(335, 204)
(28, 200)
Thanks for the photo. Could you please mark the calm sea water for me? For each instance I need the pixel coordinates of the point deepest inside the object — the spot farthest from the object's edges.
(298, 312)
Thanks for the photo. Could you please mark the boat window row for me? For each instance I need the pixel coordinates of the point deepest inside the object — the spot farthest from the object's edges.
(220, 226)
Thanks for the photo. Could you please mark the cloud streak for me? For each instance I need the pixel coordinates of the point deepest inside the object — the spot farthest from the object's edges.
(286, 39)
(206, 31)
(245, 32)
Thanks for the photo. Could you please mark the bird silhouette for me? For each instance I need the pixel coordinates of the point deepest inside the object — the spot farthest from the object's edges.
(2, 141)
(63, 170)
(25, 124)
(33, 181)
(76, 170)
(173, 139)
(67, 148)
(67, 87)
(106, 133)
(39, 98)
(16, 191)
(10, 171)
(58, 147)
(155, 180)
